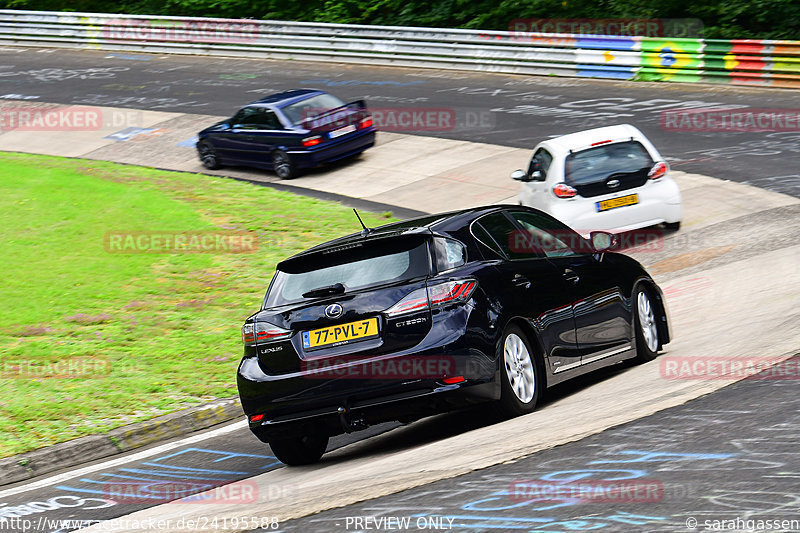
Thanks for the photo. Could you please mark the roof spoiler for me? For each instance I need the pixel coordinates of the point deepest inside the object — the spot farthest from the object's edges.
(318, 121)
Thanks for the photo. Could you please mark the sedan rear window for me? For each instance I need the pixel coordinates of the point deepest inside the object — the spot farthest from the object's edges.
(355, 267)
(597, 164)
(311, 107)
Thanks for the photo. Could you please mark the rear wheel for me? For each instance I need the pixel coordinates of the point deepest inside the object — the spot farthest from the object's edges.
(208, 156)
(520, 374)
(644, 318)
(673, 226)
(283, 166)
(298, 451)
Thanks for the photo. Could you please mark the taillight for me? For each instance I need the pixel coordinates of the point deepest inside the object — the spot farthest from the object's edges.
(413, 301)
(311, 141)
(658, 170)
(256, 418)
(365, 123)
(562, 190)
(263, 332)
(451, 291)
(435, 295)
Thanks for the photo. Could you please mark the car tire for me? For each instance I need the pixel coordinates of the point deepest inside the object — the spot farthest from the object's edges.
(298, 451)
(283, 166)
(208, 155)
(520, 374)
(645, 326)
(673, 226)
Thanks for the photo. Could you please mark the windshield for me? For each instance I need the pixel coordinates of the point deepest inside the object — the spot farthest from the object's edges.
(598, 163)
(314, 106)
(368, 265)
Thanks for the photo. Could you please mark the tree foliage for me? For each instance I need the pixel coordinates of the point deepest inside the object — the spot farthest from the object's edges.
(726, 19)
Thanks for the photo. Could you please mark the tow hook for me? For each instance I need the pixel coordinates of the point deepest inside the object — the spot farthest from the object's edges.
(351, 425)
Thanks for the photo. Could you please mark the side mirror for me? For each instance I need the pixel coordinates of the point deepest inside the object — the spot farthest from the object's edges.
(520, 175)
(602, 241)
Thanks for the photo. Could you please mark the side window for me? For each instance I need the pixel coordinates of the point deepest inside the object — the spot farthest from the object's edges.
(449, 253)
(257, 118)
(511, 240)
(547, 235)
(269, 121)
(485, 241)
(540, 161)
(244, 117)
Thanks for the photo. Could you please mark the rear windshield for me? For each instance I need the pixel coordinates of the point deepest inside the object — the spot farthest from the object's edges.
(598, 163)
(316, 105)
(365, 265)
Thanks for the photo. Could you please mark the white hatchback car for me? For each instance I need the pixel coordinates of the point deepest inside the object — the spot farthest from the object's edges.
(609, 178)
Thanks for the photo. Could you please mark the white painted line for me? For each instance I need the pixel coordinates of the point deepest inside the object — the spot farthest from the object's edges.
(122, 460)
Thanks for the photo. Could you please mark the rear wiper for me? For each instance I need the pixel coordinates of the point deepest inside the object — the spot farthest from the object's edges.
(336, 288)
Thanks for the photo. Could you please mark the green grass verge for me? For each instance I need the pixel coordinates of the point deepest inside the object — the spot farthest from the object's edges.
(161, 330)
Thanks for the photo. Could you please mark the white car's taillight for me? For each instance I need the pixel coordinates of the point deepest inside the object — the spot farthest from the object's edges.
(435, 295)
(263, 332)
(562, 190)
(658, 170)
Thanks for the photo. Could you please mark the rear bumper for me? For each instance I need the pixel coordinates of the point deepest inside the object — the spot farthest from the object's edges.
(334, 150)
(352, 396)
(658, 202)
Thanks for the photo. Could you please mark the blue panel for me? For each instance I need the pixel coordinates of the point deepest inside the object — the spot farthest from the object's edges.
(606, 43)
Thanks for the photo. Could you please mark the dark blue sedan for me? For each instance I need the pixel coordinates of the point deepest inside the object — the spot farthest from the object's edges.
(287, 132)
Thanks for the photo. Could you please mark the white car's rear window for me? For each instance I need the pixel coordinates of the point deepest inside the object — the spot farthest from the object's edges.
(598, 163)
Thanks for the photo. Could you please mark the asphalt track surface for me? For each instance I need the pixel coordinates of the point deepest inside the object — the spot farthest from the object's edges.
(726, 459)
(511, 110)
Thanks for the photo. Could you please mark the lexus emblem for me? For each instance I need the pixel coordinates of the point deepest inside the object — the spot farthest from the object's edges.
(333, 311)
(612, 184)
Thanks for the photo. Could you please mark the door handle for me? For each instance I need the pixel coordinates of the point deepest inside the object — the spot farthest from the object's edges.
(571, 276)
(521, 281)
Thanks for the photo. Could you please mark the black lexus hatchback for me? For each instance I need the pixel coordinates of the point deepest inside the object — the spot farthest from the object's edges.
(418, 317)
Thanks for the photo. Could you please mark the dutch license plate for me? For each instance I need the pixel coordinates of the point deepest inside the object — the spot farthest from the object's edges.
(613, 203)
(341, 334)
(342, 131)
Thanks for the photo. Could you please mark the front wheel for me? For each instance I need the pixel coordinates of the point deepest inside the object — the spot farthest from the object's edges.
(296, 451)
(283, 166)
(520, 374)
(208, 156)
(673, 226)
(644, 318)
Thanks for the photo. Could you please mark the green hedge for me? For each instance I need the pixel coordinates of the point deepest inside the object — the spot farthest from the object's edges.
(730, 19)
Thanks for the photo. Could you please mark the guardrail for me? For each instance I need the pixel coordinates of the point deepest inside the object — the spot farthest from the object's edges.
(739, 62)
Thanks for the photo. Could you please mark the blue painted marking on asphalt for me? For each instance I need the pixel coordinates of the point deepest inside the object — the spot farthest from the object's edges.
(225, 455)
(188, 143)
(585, 473)
(652, 457)
(126, 56)
(502, 496)
(129, 133)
